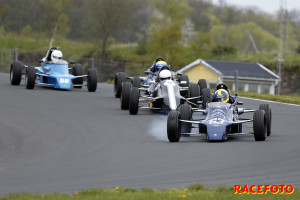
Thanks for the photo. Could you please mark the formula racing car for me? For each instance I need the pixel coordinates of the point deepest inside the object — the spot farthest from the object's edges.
(53, 73)
(164, 93)
(222, 120)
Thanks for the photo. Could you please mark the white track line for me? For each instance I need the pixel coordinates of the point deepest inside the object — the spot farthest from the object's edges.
(270, 101)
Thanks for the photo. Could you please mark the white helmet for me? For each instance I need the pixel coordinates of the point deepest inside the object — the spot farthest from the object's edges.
(56, 56)
(165, 74)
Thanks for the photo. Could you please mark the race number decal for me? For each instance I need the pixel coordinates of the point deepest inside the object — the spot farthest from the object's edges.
(62, 80)
(216, 121)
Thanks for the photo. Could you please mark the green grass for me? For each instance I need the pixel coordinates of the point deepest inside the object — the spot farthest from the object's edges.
(280, 98)
(193, 192)
(70, 48)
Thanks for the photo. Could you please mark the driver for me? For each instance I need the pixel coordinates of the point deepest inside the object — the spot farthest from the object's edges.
(158, 64)
(165, 75)
(54, 56)
(221, 95)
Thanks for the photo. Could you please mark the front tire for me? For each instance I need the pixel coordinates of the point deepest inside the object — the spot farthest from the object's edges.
(268, 114)
(125, 95)
(119, 79)
(174, 126)
(134, 101)
(92, 80)
(78, 71)
(30, 77)
(259, 125)
(15, 72)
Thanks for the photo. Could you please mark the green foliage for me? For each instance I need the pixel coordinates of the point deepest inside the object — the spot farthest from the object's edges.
(166, 34)
(280, 98)
(220, 50)
(237, 36)
(219, 193)
(201, 45)
(196, 187)
(298, 49)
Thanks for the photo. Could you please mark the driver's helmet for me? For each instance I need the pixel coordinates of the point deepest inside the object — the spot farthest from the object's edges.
(56, 56)
(159, 65)
(165, 75)
(221, 95)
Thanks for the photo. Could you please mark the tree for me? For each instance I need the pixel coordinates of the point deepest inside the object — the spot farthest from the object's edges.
(55, 17)
(166, 29)
(107, 16)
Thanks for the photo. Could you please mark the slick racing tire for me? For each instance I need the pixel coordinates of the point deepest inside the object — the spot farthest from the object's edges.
(134, 101)
(194, 92)
(136, 82)
(268, 114)
(206, 95)
(15, 72)
(186, 114)
(184, 77)
(174, 126)
(259, 125)
(125, 95)
(92, 80)
(202, 84)
(30, 77)
(119, 79)
(78, 71)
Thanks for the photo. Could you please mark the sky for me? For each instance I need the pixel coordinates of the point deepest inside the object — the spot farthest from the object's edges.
(269, 6)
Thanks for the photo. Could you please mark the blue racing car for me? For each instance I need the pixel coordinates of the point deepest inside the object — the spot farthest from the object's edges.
(221, 119)
(54, 72)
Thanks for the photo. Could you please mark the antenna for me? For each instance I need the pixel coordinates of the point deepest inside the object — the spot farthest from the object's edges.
(54, 33)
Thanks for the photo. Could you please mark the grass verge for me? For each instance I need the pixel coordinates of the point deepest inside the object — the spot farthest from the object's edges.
(192, 192)
(280, 98)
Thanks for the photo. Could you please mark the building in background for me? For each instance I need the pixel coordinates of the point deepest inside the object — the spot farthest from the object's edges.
(252, 77)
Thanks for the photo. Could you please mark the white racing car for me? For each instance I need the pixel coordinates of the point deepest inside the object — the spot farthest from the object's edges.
(162, 93)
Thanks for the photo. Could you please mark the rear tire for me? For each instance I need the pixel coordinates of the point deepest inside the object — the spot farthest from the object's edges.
(194, 92)
(136, 82)
(92, 80)
(206, 97)
(202, 84)
(184, 77)
(15, 72)
(268, 114)
(186, 114)
(78, 71)
(119, 79)
(259, 125)
(30, 77)
(174, 126)
(125, 95)
(134, 101)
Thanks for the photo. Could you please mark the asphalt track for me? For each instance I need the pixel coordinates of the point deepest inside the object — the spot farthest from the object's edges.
(67, 141)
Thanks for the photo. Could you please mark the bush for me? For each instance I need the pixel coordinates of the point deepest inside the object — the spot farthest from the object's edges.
(220, 50)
